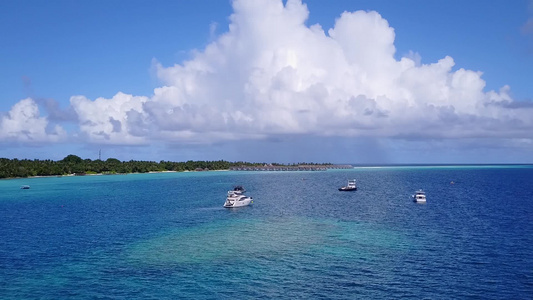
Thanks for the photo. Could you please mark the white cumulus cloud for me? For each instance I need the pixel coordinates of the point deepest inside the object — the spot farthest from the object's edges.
(23, 123)
(108, 121)
(272, 74)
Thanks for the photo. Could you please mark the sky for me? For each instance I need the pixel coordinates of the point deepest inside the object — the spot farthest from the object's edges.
(345, 81)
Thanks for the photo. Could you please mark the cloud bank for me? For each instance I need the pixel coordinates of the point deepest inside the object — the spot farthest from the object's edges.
(23, 123)
(272, 74)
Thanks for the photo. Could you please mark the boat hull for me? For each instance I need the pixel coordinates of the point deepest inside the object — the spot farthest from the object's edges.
(419, 197)
(345, 189)
(231, 203)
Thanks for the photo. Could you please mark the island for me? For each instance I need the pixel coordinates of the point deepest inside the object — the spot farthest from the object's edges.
(74, 165)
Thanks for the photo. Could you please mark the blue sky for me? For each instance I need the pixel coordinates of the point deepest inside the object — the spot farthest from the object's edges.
(385, 82)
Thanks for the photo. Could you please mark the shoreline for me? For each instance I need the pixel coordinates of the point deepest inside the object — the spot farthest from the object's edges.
(110, 174)
(354, 167)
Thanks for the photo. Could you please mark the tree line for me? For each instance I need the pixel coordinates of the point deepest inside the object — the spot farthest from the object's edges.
(72, 164)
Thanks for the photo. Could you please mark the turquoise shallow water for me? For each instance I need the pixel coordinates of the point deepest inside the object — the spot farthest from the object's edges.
(167, 236)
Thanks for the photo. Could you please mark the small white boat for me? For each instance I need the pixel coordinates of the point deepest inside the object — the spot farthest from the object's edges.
(350, 187)
(419, 196)
(236, 198)
(25, 187)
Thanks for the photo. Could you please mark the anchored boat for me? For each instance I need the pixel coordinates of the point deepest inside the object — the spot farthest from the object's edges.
(419, 196)
(236, 198)
(350, 187)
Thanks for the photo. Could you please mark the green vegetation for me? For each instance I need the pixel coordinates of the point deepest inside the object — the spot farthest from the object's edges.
(72, 164)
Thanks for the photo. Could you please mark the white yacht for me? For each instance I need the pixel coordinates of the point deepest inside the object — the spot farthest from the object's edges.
(236, 198)
(419, 196)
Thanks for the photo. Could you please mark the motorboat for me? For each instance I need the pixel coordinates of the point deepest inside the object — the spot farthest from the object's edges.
(25, 187)
(236, 198)
(350, 187)
(419, 196)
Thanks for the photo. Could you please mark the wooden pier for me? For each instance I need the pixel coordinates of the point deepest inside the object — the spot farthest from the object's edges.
(290, 168)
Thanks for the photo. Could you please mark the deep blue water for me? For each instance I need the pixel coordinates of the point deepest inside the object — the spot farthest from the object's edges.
(167, 236)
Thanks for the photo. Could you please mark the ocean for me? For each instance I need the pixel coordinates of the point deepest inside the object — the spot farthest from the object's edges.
(167, 236)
